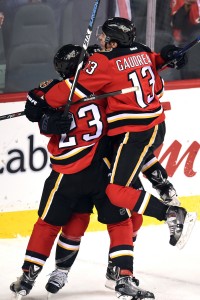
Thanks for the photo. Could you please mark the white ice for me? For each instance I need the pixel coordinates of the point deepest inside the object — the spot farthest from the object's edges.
(170, 273)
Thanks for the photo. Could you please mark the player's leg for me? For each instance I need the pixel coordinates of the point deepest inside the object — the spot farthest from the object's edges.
(121, 254)
(180, 222)
(136, 220)
(67, 250)
(111, 273)
(37, 252)
(53, 213)
(120, 229)
(77, 188)
(129, 159)
(158, 176)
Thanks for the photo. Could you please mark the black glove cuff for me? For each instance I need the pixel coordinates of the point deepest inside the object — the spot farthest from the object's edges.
(36, 100)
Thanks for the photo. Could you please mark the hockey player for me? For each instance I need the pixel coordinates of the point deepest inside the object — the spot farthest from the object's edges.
(77, 182)
(126, 63)
(168, 195)
(62, 65)
(135, 121)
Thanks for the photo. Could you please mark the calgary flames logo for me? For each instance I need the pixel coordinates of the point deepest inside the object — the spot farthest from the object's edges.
(45, 83)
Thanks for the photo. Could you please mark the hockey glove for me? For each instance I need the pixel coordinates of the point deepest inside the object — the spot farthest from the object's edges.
(168, 52)
(55, 123)
(93, 48)
(35, 106)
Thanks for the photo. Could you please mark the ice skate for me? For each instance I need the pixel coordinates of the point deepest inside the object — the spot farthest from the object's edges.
(165, 189)
(24, 283)
(57, 280)
(168, 193)
(112, 275)
(126, 289)
(180, 224)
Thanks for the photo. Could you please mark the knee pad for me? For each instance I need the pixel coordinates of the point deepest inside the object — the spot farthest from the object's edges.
(122, 196)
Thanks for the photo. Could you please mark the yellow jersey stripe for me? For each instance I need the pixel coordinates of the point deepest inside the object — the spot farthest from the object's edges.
(50, 199)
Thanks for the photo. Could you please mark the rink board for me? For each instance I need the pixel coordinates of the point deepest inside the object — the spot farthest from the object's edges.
(24, 164)
(13, 224)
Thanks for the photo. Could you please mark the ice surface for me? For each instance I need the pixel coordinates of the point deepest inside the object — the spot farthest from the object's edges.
(170, 273)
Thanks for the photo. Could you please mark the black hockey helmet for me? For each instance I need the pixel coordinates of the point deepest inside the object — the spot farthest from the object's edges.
(66, 60)
(119, 30)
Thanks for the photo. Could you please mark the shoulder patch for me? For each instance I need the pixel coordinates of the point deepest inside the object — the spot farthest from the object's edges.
(44, 84)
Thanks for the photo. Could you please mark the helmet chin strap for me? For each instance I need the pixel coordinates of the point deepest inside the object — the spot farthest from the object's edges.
(106, 47)
(107, 40)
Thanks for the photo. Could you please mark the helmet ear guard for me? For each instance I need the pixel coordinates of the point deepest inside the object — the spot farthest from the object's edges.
(119, 30)
(66, 60)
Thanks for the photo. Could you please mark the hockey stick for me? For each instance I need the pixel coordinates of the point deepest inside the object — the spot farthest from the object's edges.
(118, 92)
(13, 115)
(82, 54)
(181, 52)
(89, 98)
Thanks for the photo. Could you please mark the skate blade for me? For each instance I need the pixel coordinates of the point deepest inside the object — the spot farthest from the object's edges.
(126, 297)
(188, 226)
(110, 284)
(49, 295)
(17, 297)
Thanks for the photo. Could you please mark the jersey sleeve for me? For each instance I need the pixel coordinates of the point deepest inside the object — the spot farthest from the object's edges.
(96, 73)
(159, 86)
(57, 96)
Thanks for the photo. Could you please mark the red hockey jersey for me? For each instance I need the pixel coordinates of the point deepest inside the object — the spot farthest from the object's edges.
(73, 152)
(118, 69)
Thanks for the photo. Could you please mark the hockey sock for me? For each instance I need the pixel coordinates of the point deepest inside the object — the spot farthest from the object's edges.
(66, 252)
(156, 208)
(154, 171)
(40, 244)
(69, 240)
(121, 245)
(43, 237)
